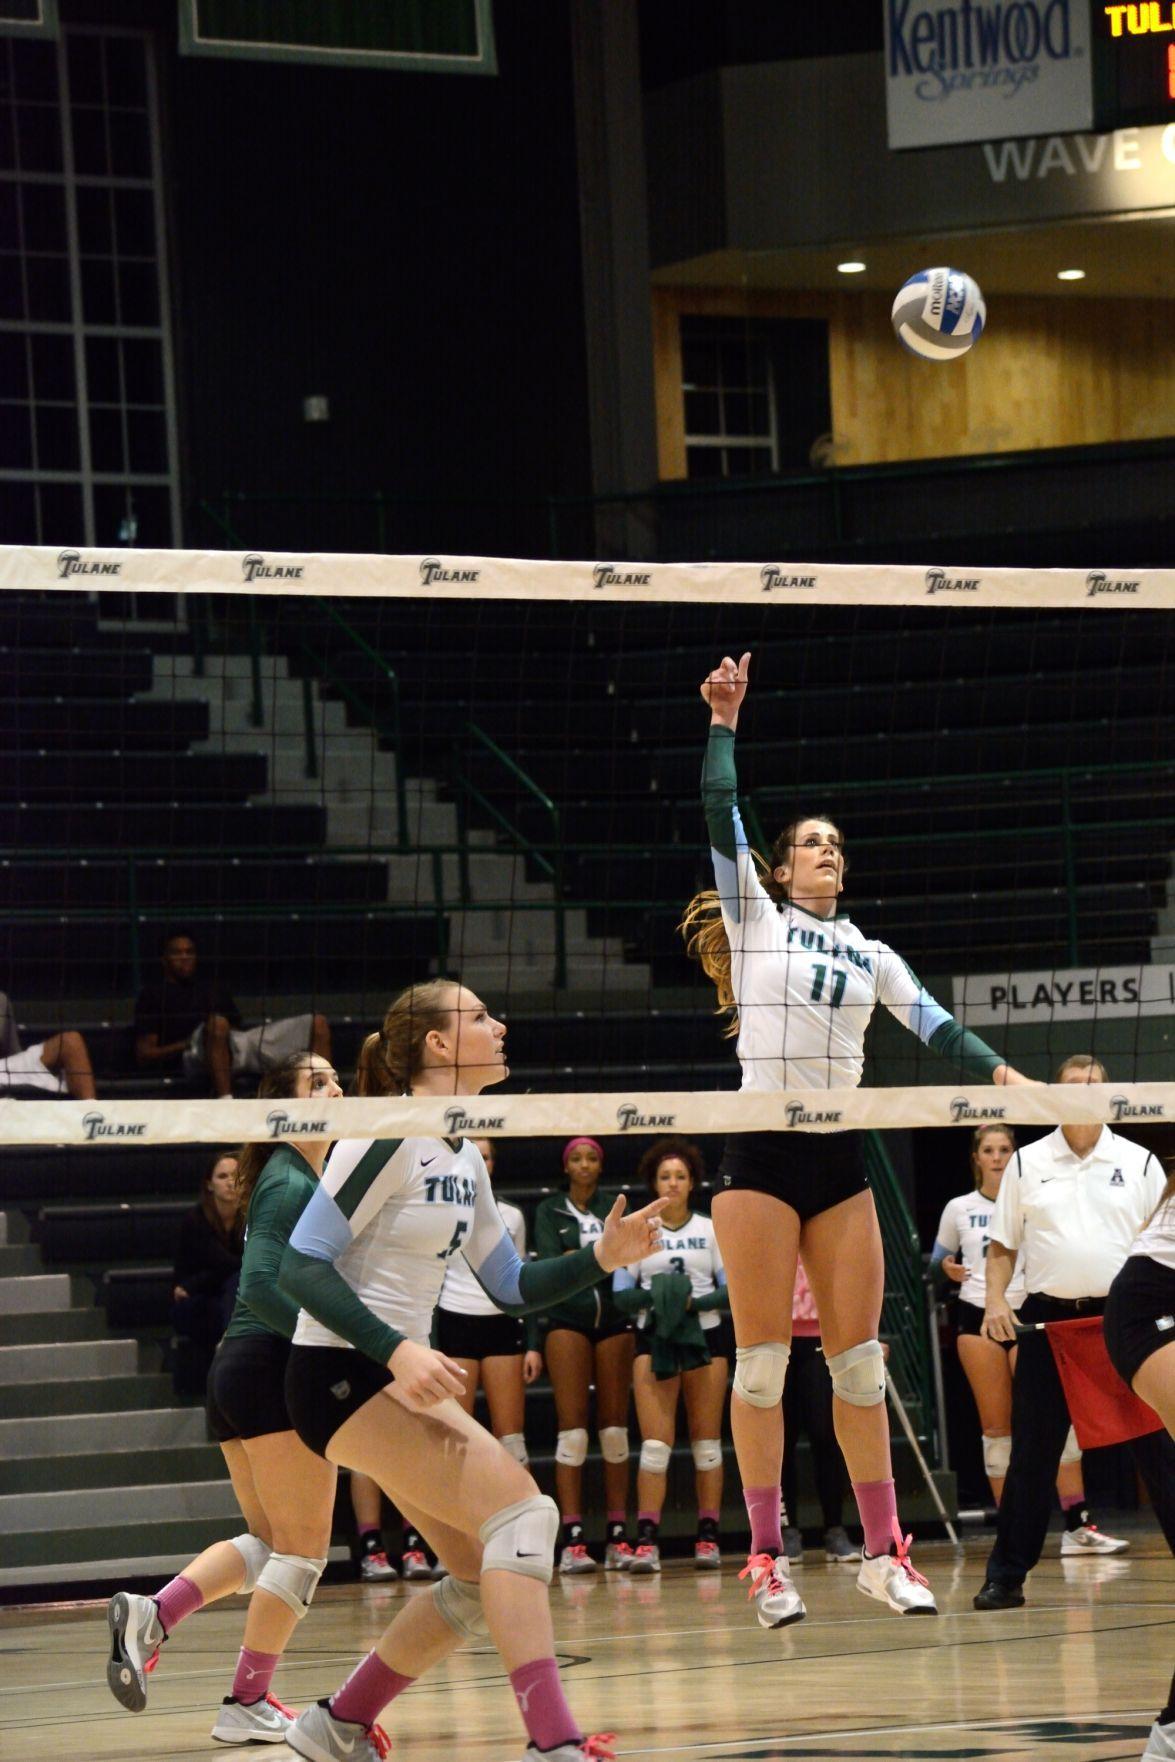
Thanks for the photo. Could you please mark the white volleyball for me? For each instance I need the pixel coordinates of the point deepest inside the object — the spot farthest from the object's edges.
(939, 313)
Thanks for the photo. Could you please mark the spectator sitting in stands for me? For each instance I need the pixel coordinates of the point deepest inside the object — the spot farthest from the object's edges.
(57, 1066)
(189, 1024)
(207, 1265)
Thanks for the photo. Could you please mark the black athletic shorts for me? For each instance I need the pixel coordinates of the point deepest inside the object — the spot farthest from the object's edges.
(606, 1331)
(245, 1394)
(969, 1320)
(479, 1336)
(1140, 1314)
(810, 1171)
(719, 1340)
(325, 1385)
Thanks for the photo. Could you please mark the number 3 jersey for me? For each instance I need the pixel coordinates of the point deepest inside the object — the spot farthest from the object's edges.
(391, 1214)
(806, 986)
(692, 1249)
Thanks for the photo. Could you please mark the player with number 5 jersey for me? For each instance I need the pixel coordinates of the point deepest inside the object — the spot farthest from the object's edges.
(799, 983)
(366, 1390)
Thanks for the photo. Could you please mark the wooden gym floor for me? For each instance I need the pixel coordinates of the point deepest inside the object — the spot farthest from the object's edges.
(677, 1668)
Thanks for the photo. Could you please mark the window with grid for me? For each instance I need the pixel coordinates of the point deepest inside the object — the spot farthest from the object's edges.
(87, 428)
(756, 393)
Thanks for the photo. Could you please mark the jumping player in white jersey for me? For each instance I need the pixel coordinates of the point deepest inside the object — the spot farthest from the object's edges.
(802, 983)
(960, 1252)
(366, 1262)
(683, 1348)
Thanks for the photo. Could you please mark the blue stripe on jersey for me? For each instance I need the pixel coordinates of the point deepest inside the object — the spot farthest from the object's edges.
(322, 1232)
(726, 879)
(498, 1272)
(938, 1253)
(927, 1016)
(622, 1280)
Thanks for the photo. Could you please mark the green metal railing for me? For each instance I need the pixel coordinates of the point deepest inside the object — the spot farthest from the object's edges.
(903, 1312)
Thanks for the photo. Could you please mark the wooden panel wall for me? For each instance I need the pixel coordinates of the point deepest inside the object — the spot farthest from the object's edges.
(1048, 372)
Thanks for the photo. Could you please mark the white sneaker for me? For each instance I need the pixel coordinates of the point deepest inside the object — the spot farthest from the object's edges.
(575, 1558)
(617, 1556)
(646, 1558)
(1160, 1743)
(376, 1568)
(318, 1735)
(415, 1566)
(1089, 1539)
(777, 1602)
(136, 1634)
(597, 1748)
(892, 1579)
(265, 1721)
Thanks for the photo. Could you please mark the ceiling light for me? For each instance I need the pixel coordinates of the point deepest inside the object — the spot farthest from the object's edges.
(851, 268)
(1070, 275)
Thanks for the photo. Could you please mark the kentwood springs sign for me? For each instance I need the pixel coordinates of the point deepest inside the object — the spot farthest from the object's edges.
(986, 70)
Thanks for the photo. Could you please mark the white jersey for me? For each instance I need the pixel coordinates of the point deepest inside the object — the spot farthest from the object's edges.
(391, 1214)
(805, 986)
(461, 1294)
(1157, 1239)
(692, 1249)
(965, 1231)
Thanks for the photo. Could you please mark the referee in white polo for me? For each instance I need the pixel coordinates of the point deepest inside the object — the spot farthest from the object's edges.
(1074, 1202)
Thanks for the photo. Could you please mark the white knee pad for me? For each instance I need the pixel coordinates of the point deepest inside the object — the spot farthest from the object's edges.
(571, 1448)
(459, 1603)
(760, 1372)
(515, 1443)
(1072, 1450)
(707, 1453)
(614, 1443)
(858, 1375)
(254, 1552)
(293, 1578)
(655, 1456)
(997, 1454)
(521, 1538)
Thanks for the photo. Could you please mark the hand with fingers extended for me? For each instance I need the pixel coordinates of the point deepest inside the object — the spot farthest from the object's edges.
(423, 1376)
(725, 688)
(999, 1320)
(628, 1239)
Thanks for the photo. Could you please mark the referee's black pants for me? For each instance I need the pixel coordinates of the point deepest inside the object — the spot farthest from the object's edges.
(1040, 1424)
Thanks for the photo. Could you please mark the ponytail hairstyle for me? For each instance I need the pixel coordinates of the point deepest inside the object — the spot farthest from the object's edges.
(389, 1060)
(281, 1083)
(977, 1137)
(704, 932)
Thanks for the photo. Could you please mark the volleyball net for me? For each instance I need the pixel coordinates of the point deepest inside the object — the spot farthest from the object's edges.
(339, 774)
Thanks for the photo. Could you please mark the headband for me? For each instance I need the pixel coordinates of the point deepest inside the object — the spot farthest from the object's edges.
(574, 1144)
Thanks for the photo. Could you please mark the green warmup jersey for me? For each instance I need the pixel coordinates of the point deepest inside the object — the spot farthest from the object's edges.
(278, 1200)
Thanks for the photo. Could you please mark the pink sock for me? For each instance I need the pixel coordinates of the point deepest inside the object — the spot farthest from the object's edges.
(711, 1517)
(648, 1517)
(177, 1601)
(878, 1509)
(367, 1691)
(548, 1719)
(363, 1530)
(254, 1675)
(1072, 1499)
(616, 1517)
(763, 1510)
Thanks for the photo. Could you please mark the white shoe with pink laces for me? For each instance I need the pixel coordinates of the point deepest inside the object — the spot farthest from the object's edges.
(891, 1578)
(776, 1600)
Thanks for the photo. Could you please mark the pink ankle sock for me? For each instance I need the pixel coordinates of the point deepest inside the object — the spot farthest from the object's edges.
(254, 1675)
(1071, 1500)
(615, 1517)
(367, 1691)
(878, 1510)
(763, 1510)
(548, 1719)
(711, 1517)
(177, 1601)
(648, 1517)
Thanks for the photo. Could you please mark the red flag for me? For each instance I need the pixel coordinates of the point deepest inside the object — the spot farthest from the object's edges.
(1102, 1408)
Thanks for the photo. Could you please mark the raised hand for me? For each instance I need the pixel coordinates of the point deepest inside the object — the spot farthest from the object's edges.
(629, 1239)
(725, 688)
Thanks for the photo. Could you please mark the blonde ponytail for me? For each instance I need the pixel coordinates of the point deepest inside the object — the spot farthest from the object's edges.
(703, 930)
(389, 1060)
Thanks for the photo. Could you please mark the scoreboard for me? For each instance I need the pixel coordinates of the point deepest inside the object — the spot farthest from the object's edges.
(1133, 63)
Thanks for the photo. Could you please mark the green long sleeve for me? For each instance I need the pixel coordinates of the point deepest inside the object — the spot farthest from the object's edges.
(720, 792)
(971, 1056)
(318, 1287)
(718, 1298)
(545, 1283)
(631, 1300)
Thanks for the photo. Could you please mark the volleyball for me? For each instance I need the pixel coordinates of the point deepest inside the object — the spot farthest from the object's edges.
(939, 313)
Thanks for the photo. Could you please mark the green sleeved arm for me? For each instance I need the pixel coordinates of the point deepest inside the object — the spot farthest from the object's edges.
(546, 1234)
(718, 1298)
(318, 1287)
(966, 1051)
(631, 1300)
(545, 1283)
(720, 792)
(270, 1227)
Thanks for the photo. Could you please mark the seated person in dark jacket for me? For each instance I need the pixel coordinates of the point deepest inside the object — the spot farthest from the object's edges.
(59, 1065)
(186, 1023)
(207, 1264)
